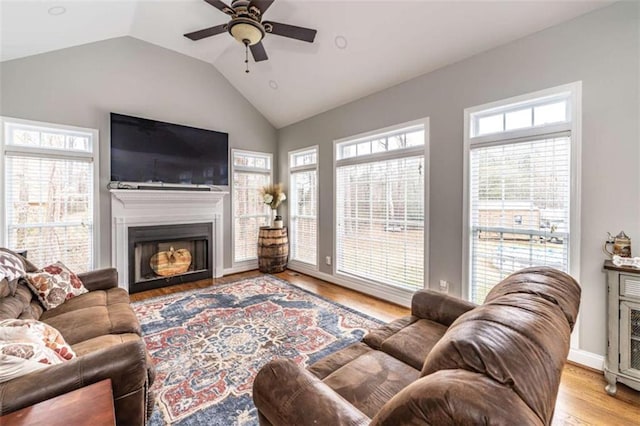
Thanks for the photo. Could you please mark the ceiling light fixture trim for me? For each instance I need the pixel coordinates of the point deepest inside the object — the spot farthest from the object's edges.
(56, 10)
(341, 42)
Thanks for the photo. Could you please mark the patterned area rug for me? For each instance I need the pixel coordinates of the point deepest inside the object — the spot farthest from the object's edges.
(209, 344)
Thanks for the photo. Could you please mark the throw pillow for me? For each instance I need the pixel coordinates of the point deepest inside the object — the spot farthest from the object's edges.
(28, 345)
(54, 284)
(11, 269)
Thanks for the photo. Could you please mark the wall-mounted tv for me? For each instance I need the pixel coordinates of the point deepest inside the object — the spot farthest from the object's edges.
(149, 151)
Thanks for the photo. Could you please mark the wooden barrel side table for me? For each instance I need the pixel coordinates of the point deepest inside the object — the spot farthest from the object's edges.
(273, 249)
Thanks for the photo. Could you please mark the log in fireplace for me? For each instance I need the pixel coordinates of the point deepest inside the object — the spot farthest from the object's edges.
(165, 255)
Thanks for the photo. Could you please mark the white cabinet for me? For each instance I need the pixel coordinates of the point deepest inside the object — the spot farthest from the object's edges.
(623, 353)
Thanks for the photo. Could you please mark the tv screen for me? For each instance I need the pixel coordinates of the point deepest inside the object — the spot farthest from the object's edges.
(148, 151)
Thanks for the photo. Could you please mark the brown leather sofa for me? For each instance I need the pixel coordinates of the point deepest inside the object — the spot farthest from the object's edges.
(449, 363)
(103, 331)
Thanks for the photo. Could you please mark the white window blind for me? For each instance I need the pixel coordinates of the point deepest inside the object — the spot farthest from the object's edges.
(519, 186)
(380, 208)
(49, 194)
(251, 171)
(303, 206)
(520, 196)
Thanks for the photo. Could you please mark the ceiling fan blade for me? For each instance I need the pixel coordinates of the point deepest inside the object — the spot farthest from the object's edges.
(221, 6)
(263, 5)
(291, 31)
(207, 32)
(258, 52)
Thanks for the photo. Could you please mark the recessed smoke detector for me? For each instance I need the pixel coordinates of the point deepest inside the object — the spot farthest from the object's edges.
(341, 42)
(273, 84)
(56, 10)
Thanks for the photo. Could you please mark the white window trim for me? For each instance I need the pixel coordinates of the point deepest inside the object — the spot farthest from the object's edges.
(245, 265)
(575, 127)
(384, 291)
(93, 156)
(297, 264)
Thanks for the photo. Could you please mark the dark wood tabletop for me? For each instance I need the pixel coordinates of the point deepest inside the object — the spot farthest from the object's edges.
(91, 405)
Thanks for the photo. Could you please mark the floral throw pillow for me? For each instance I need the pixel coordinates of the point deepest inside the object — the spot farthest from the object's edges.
(29, 345)
(54, 284)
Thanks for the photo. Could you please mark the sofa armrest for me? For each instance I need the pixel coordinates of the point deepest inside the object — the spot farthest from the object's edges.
(438, 307)
(100, 279)
(286, 394)
(124, 364)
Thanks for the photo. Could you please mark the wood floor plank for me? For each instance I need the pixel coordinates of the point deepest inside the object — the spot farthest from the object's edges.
(581, 398)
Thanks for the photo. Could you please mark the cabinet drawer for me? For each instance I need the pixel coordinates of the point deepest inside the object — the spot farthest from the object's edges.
(630, 285)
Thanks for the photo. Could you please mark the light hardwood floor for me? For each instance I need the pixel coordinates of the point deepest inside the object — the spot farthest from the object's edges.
(581, 398)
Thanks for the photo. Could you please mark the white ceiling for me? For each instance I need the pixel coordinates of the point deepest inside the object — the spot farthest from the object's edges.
(388, 41)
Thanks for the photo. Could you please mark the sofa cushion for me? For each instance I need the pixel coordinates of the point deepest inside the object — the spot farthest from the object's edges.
(106, 312)
(413, 343)
(548, 283)
(376, 337)
(55, 284)
(20, 304)
(370, 380)
(456, 397)
(332, 362)
(518, 340)
(93, 298)
(97, 343)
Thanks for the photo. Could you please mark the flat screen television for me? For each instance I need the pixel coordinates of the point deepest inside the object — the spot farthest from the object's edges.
(149, 151)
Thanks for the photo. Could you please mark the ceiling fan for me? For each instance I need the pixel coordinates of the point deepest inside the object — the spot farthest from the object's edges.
(246, 26)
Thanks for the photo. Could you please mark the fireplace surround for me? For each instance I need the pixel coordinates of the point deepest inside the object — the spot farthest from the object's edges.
(132, 209)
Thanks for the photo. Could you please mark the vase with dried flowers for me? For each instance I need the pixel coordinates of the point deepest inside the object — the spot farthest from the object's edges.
(273, 195)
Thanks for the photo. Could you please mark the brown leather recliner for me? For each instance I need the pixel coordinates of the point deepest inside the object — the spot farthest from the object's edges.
(103, 331)
(449, 363)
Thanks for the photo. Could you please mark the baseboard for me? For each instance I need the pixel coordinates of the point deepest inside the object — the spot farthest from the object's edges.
(397, 296)
(304, 269)
(241, 268)
(587, 359)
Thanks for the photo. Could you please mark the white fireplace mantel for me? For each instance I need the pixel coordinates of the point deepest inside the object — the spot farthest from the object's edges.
(134, 207)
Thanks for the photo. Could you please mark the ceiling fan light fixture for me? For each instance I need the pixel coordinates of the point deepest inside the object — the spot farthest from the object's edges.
(246, 31)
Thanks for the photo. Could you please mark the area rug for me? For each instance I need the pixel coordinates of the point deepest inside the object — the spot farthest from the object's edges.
(208, 344)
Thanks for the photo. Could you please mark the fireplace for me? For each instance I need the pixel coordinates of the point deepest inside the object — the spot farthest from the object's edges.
(165, 255)
(143, 216)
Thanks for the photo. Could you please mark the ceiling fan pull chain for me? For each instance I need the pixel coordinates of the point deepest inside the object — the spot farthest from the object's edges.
(246, 55)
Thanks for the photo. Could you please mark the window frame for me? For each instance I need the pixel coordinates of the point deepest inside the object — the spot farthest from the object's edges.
(244, 265)
(378, 289)
(52, 153)
(573, 126)
(298, 264)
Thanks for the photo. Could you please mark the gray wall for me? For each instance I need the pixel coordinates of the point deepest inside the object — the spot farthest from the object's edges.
(601, 49)
(79, 86)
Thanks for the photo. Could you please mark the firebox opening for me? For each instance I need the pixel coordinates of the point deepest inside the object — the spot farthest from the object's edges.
(160, 256)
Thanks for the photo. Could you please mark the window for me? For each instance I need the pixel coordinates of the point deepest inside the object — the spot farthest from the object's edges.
(521, 157)
(49, 188)
(303, 205)
(251, 171)
(380, 207)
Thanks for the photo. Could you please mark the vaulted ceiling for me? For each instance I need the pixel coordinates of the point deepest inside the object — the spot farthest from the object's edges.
(387, 42)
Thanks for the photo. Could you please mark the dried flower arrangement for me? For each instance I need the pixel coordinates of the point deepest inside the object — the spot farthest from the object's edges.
(273, 195)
